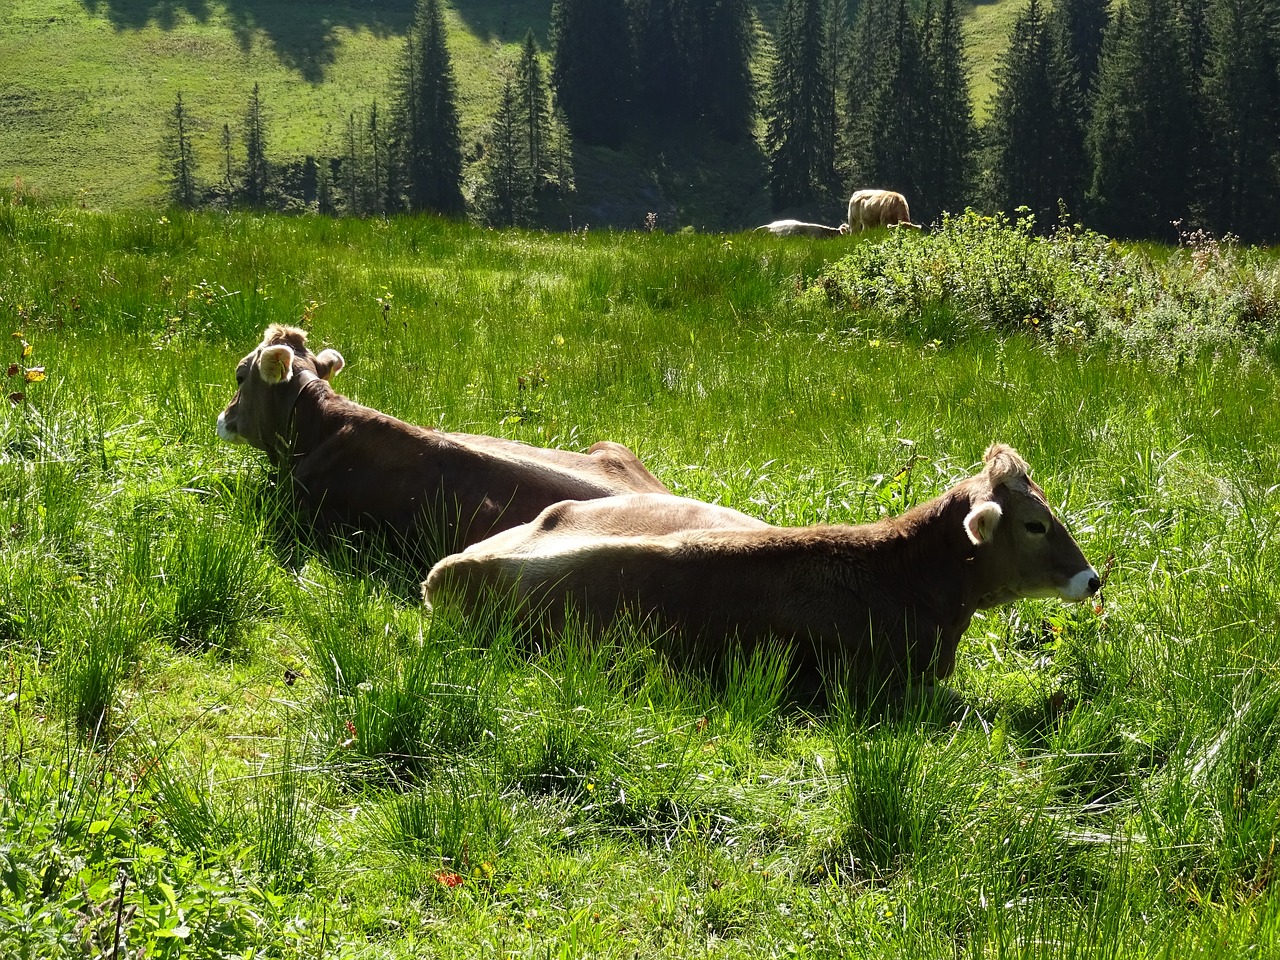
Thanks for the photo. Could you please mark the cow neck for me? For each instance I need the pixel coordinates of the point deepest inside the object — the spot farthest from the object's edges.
(932, 553)
(931, 537)
(305, 379)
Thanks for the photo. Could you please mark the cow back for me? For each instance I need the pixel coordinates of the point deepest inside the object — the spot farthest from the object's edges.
(352, 464)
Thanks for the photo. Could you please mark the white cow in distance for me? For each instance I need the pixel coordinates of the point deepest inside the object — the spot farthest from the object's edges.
(798, 228)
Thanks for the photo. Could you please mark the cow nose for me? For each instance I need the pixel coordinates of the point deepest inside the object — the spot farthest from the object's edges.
(1083, 584)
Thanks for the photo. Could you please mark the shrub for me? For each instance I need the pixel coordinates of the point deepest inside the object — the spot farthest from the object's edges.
(1074, 287)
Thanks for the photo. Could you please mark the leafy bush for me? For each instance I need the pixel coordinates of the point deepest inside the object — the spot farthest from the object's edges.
(1074, 286)
(79, 877)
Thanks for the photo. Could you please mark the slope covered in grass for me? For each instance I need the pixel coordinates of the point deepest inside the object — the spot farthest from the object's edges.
(88, 84)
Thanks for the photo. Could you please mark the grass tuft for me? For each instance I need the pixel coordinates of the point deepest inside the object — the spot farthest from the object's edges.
(458, 823)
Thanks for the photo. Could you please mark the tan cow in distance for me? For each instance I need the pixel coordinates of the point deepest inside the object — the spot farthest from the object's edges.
(879, 208)
(353, 467)
(798, 228)
(888, 601)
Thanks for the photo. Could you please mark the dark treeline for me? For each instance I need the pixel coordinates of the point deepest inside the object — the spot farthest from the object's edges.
(1129, 117)
(617, 65)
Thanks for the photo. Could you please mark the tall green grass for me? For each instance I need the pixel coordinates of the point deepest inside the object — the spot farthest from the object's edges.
(272, 749)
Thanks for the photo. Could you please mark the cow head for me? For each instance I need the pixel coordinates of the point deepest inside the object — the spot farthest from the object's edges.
(268, 382)
(1021, 548)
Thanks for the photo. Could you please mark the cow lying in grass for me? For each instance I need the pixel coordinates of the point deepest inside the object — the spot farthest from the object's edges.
(889, 599)
(436, 492)
(798, 228)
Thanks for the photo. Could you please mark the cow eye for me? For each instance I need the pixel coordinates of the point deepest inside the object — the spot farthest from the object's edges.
(1036, 527)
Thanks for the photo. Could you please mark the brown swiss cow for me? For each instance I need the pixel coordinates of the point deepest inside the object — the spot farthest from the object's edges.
(888, 600)
(879, 208)
(354, 467)
(798, 228)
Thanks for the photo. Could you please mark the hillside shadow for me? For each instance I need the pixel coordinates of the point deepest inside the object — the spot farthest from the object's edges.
(505, 20)
(303, 35)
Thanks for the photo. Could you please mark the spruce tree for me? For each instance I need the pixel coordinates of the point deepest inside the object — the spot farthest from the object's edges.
(1070, 103)
(324, 186)
(180, 159)
(377, 162)
(830, 68)
(257, 169)
(717, 40)
(1141, 135)
(901, 97)
(561, 152)
(353, 168)
(662, 71)
(870, 24)
(592, 72)
(428, 132)
(1239, 94)
(507, 178)
(1022, 100)
(533, 110)
(1082, 24)
(1192, 19)
(867, 51)
(396, 191)
(887, 104)
(1035, 131)
(796, 99)
(948, 140)
(225, 141)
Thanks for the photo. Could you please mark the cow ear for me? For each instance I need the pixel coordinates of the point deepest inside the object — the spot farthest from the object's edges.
(329, 362)
(275, 364)
(982, 521)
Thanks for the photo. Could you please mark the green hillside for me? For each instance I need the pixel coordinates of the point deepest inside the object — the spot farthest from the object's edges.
(86, 86)
(987, 28)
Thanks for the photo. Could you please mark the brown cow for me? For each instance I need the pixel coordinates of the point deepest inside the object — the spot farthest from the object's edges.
(798, 228)
(879, 208)
(353, 466)
(889, 599)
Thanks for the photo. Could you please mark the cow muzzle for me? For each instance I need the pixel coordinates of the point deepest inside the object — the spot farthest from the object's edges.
(225, 432)
(1083, 585)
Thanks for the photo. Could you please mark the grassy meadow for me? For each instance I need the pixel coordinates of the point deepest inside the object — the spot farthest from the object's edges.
(217, 743)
